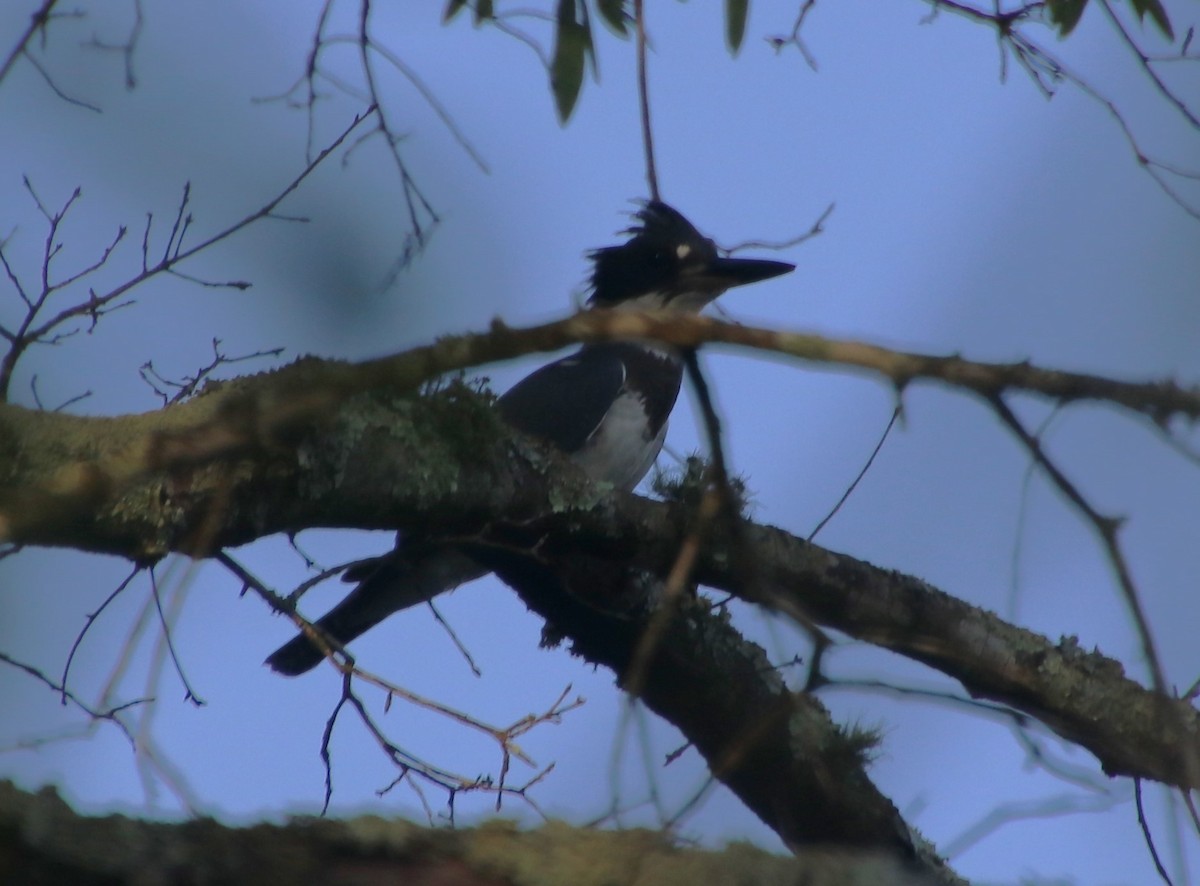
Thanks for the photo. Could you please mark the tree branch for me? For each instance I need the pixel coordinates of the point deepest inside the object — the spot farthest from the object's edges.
(56, 845)
(327, 444)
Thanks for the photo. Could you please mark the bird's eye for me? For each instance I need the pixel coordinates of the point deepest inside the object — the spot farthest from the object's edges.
(682, 251)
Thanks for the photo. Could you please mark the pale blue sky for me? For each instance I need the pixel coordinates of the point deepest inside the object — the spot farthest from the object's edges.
(971, 216)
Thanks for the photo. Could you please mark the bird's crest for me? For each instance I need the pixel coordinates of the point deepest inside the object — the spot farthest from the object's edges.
(661, 242)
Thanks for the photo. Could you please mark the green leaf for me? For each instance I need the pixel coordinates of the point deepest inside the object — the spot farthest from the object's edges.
(1066, 14)
(572, 41)
(482, 11)
(1155, 8)
(589, 48)
(735, 23)
(614, 15)
(453, 8)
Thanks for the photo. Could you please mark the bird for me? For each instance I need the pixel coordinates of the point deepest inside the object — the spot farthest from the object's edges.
(605, 406)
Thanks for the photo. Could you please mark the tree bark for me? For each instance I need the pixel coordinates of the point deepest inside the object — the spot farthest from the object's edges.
(43, 842)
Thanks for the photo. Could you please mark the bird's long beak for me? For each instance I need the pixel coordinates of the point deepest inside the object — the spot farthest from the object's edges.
(730, 272)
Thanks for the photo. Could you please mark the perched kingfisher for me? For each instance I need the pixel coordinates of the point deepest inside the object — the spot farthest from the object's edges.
(606, 406)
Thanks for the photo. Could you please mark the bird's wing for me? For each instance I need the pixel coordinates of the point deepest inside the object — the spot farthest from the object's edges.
(564, 402)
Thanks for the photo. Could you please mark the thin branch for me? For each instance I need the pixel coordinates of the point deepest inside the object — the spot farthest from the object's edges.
(189, 693)
(89, 620)
(1147, 835)
(639, 16)
(794, 39)
(505, 737)
(37, 22)
(458, 644)
(1046, 71)
(128, 47)
(189, 384)
(1147, 69)
(1014, 586)
(1019, 724)
(1106, 528)
(1024, 810)
(36, 329)
(71, 100)
(432, 100)
(413, 198)
(110, 714)
(896, 413)
(818, 227)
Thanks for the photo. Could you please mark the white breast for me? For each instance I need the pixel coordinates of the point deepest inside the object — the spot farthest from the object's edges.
(620, 450)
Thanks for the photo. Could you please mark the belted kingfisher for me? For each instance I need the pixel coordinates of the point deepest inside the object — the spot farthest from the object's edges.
(606, 406)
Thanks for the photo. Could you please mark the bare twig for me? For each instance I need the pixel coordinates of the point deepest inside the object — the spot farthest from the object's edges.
(1106, 528)
(639, 16)
(896, 413)
(189, 693)
(1047, 70)
(818, 227)
(794, 39)
(1024, 810)
(189, 384)
(110, 714)
(37, 22)
(1014, 586)
(458, 644)
(409, 764)
(90, 620)
(70, 401)
(55, 88)
(1148, 69)
(36, 329)
(1019, 723)
(1146, 833)
(126, 48)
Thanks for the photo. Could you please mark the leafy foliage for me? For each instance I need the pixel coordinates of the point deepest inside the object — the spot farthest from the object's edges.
(482, 10)
(614, 14)
(1067, 13)
(572, 47)
(736, 12)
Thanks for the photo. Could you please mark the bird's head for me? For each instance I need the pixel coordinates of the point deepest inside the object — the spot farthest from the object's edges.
(667, 263)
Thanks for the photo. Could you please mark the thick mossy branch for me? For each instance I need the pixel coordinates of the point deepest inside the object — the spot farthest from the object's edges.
(777, 749)
(326, 444)
(43, 841)
(61, 475)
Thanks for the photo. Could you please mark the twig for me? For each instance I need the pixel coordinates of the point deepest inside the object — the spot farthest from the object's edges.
(109, 714)
(862, 473)
(793, 39)
(1147, 69)
(37, 22)
(54, 87)
(34, 329)
(639, 15)
(458, 644)
(1023, 810)
(818, 227)
(189, 693)
(1106, 529)
(126, 49)
(504, 736)
(1146, 833)
(89, 620)
(1047, 70)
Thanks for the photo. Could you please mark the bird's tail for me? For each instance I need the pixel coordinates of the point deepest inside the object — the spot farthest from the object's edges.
(387, 584)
